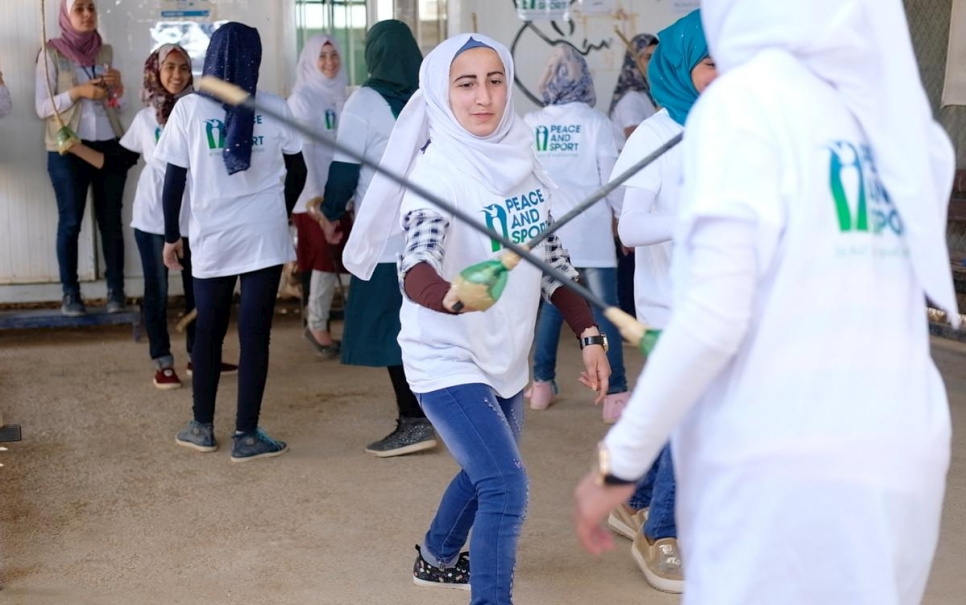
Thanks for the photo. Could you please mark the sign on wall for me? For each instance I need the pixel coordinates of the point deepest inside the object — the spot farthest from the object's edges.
(187, 9)
(596, 7)
(546, 10)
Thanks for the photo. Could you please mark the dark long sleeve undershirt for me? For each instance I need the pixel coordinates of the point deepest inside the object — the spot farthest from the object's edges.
(426, 287)
(295, 175)
(339, 189)
(175, 179)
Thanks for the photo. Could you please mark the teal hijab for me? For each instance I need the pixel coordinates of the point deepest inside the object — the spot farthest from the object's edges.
(682, 46)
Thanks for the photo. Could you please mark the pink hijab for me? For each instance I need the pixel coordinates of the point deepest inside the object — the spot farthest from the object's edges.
(79, 47)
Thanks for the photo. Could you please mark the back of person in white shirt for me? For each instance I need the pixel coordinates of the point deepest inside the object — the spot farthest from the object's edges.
(679, 71)
(811, 427)
(631, 104)
(575, 145)
(167, 78)
(246, 173)
(460, 138)
(369, 337)
(317, 101)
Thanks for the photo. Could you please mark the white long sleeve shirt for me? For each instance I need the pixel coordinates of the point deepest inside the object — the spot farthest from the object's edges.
(94, 124)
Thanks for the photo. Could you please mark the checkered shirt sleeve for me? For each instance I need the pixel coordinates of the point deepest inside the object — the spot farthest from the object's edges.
(557, 257)
(425, 233)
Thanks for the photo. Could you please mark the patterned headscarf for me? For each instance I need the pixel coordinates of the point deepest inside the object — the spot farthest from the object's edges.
(79, 47)
(235, 55)
(683, 46)
(631, 77)
(567, 78)
(153, 93)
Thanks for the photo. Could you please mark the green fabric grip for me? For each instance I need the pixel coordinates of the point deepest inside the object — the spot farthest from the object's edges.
(491, 274)
(649, 341)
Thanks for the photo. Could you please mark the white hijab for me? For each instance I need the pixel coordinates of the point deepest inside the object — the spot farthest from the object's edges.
(312, 82)
(863, 49)
(500, 162)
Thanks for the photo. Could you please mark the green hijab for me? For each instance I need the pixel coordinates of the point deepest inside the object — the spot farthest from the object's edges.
(393, 59)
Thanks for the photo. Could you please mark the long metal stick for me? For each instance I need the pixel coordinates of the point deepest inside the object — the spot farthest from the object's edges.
(633, 330)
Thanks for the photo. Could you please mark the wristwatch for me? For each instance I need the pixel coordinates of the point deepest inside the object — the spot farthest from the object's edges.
(604, 478)
(600, 339)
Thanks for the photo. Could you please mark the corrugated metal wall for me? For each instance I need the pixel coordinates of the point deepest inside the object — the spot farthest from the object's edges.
(28, 212)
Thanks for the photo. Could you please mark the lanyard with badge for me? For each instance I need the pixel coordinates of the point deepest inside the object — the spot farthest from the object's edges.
(111, 100)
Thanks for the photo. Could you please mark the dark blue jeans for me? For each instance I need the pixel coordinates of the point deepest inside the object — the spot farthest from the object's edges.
(213, 298)
(155, 304)
(482, 431)
(72, 178)
(602, 282)
(656, 490)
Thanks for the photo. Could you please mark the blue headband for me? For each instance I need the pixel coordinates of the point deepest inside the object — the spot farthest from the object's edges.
(471, 44)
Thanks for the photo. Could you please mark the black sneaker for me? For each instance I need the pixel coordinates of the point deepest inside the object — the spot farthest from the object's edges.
(254, 445)
(72, 306)
(457, 577)
(115, 302)
(411, 435)
(198, 436)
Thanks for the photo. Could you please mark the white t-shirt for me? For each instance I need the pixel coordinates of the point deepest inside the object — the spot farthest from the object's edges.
(574, 142)
(364, 127)
(322, 117)
(490, 347)
(663, 178)
(147, 214)
(633, 108)
(238, 222)
(829, 399)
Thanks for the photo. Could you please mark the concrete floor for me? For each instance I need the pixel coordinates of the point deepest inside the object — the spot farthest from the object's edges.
(98, 506)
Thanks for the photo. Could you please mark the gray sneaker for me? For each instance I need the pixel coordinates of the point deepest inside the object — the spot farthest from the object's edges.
(411, 435)
(115, 302)
(72, 306)
(198, 436)
(254, 445)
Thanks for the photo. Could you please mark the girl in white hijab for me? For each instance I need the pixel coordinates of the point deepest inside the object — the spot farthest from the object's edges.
(811, 427)
(317, 101)
(460, 138)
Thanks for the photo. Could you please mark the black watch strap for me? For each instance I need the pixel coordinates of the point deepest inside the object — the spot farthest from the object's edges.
(592, 340)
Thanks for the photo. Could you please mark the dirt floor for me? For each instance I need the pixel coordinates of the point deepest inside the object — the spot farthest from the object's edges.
(98, 506)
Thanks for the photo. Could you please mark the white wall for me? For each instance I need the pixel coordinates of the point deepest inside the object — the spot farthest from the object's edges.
(28, 212)
(497, 18)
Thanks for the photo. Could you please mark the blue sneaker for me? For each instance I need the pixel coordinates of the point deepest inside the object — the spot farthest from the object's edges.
(254, 445)
(198, 436)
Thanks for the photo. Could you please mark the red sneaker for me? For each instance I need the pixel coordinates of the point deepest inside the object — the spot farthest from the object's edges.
(227, 369)
(167, 379)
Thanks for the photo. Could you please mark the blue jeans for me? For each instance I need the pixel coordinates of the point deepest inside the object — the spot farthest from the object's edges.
(71, 178)
(603, 283)
(489, 495)
(155, 304)
(656, 490)
(214, 297)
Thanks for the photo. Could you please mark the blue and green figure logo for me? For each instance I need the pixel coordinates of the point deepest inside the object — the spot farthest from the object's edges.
(862, 203)
(157, 134)
(329, 119)
(215, 129)
(496, 220)
(543, 138)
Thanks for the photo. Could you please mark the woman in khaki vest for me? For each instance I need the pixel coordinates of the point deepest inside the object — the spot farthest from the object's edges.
(86, 91)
